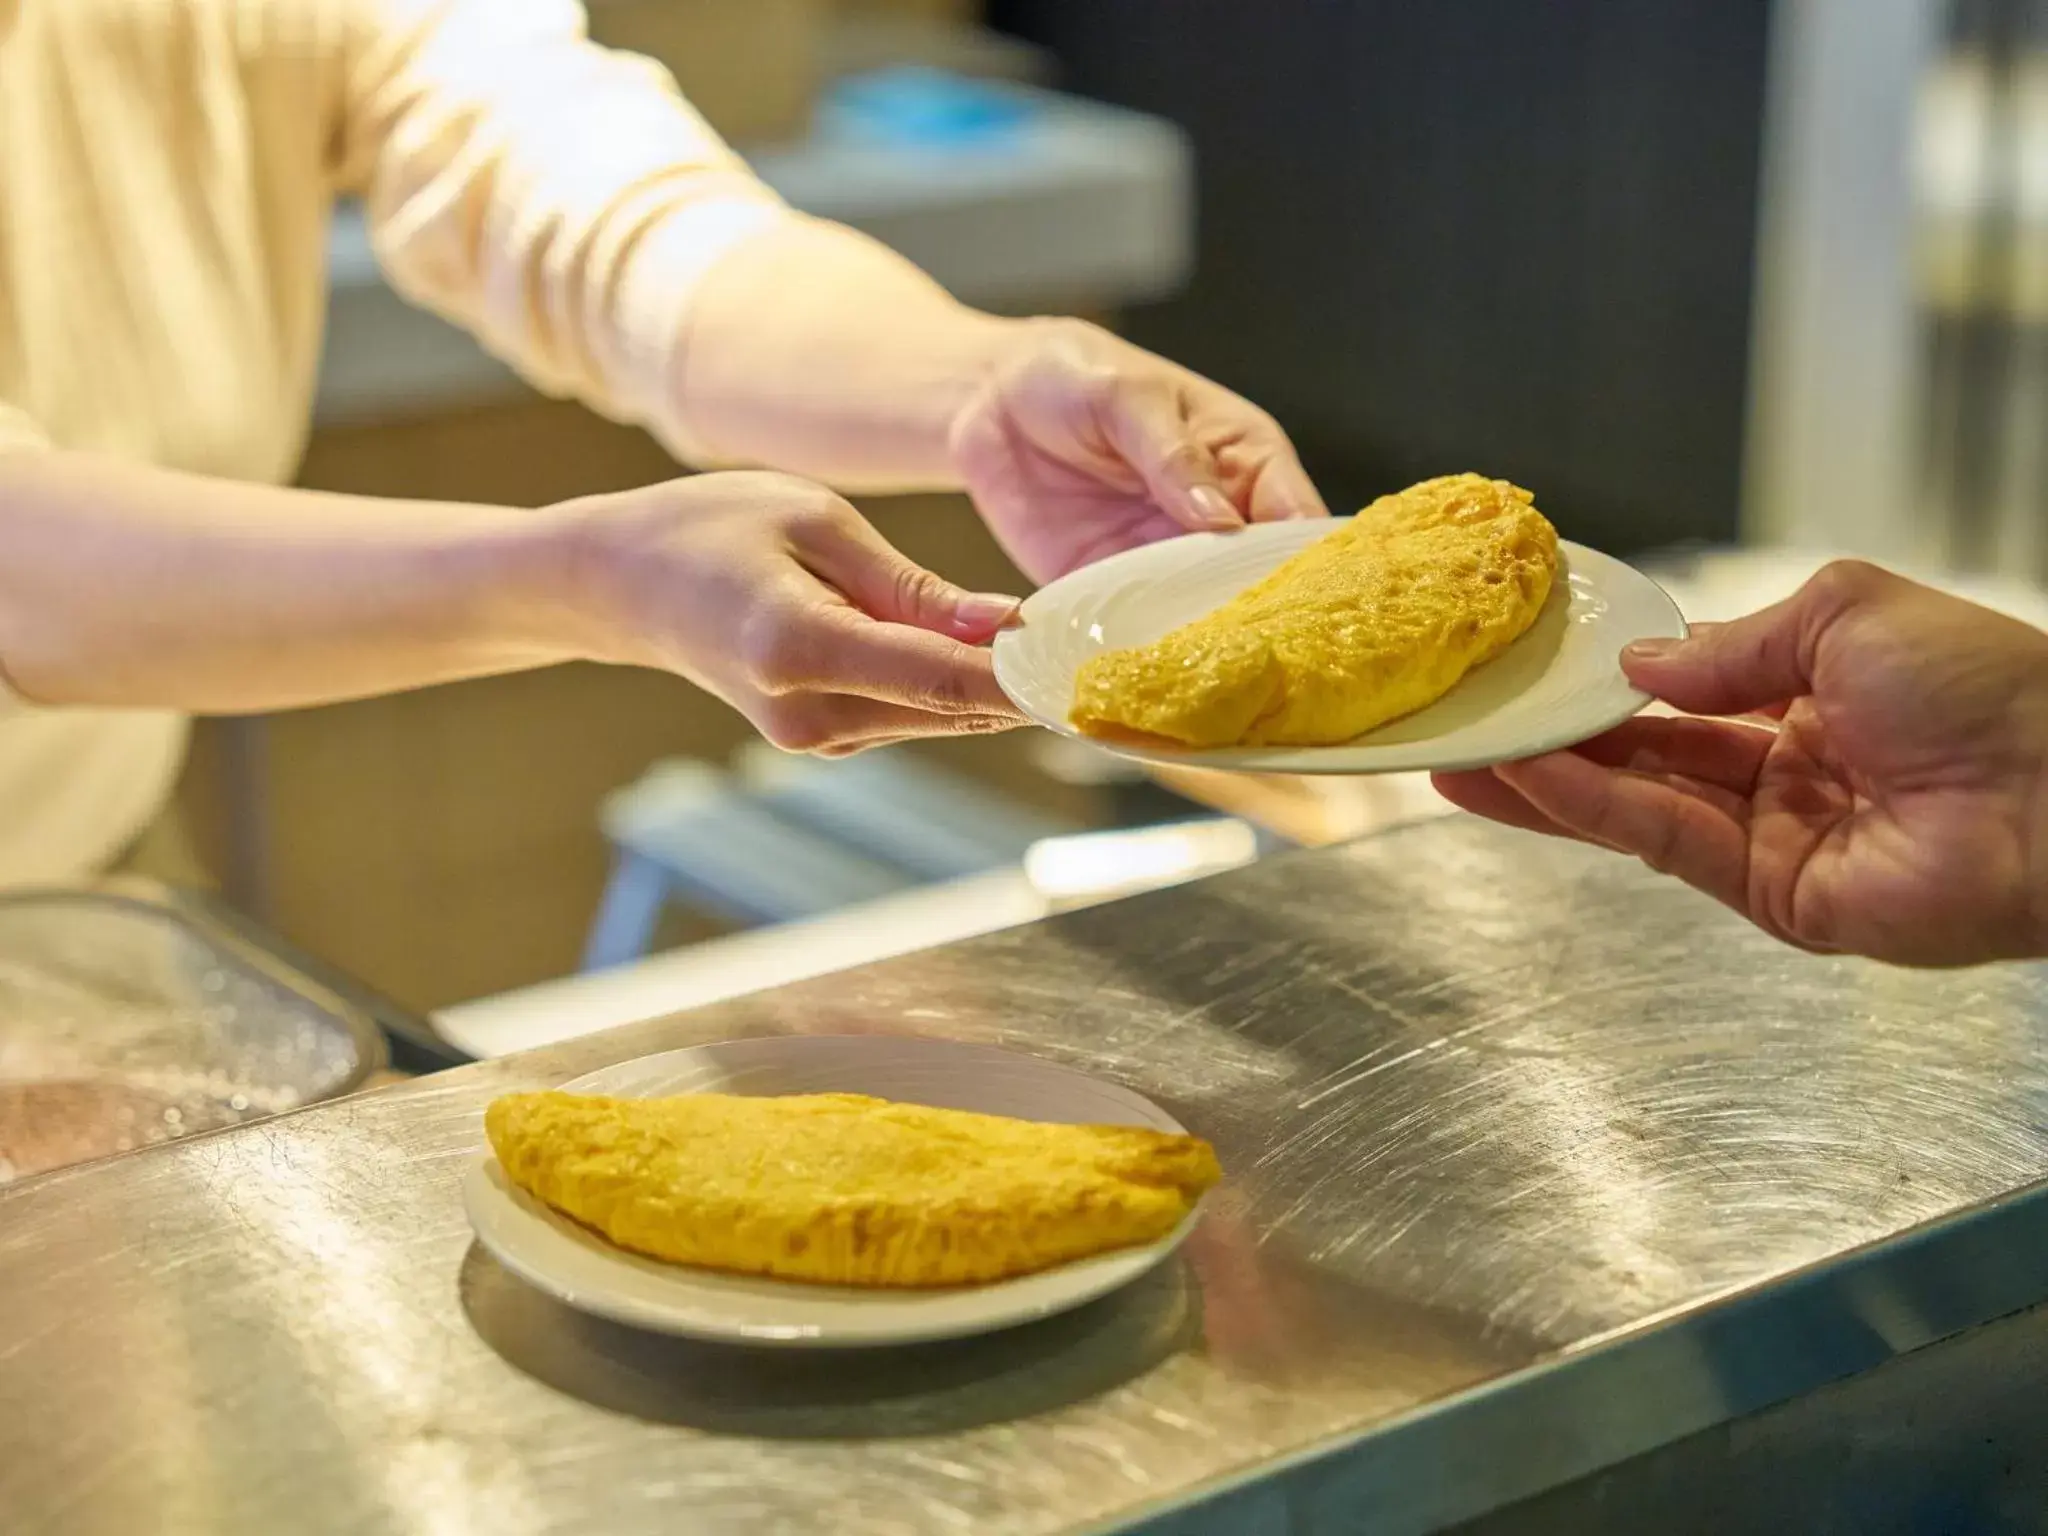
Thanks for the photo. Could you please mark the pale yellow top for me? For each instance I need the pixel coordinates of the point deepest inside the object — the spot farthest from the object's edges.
(167, 169)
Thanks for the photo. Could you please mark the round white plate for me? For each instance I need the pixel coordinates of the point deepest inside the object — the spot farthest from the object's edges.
(1556, 686)
(576, 1266)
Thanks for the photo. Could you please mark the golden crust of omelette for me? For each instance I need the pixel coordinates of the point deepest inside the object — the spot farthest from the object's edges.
(844, 1190)
(1374, 622)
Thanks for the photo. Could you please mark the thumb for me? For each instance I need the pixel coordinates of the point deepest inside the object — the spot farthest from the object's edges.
(1753, 663)
(886, 584)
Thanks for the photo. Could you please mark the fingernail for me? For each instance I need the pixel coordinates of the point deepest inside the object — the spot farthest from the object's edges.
(1214, 508)
(1648, 650)
(984, 611)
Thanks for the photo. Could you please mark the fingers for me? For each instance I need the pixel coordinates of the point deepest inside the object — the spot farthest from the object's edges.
(1255, 477)
(1672, 792)
(1754, 663)
(1482, 792)
(1147, 422)
(1208, 460)
(1668, 827)
(1722, 753)
(843, 549)
(1278, 488)
(900, 665)
(852, 645)
(823, 647)
(839, 725)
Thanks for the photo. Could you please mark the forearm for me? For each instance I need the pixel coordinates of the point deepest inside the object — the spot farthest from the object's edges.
(817, 351)
(567, 206)
(122, 586)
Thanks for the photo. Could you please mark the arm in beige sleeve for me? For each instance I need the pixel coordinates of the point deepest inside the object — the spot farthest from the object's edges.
(569, 208)
(126, 586)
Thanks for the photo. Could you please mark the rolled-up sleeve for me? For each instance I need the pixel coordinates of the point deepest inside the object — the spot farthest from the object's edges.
(560, 201)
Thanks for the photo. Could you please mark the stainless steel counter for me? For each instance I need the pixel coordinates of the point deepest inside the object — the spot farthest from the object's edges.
(1537, 1163)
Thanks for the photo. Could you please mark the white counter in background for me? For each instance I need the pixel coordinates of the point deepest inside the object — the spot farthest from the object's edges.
(745, 962)
(1086, 204)
(1059, 874)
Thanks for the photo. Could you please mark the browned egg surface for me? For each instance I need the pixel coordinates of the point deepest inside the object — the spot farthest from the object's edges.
(1373, 622)
(846, 1190)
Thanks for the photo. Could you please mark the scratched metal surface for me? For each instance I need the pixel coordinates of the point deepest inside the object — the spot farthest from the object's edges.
(1484, 1102)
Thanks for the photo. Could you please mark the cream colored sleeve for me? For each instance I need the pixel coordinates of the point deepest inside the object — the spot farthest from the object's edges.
(560, 201)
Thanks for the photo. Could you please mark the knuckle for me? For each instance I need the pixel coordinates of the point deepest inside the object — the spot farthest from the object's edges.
(793, 729)
(1071, 330)
(1100, 379)
(774, 651)
(775, 483)
(948, 692)
(1065, 337)
(1100, 388)
(1063, 360)
(1660, 848)
(804, 504)
(822, 501)
(1260, 425)
(1850, 580)
(757, 485)
(917, 590)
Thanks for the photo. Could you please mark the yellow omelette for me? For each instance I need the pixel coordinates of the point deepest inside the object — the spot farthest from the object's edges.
(841, 1189)
(1373, 622)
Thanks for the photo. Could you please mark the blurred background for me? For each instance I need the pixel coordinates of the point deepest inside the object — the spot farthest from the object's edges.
(1731, 284)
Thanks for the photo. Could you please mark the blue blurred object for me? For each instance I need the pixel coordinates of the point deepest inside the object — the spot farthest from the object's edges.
(787, 838)
(913, 105)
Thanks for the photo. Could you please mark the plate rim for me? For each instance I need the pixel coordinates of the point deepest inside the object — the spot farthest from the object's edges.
(1156, 1115)
(491, 1200)
(1343, 759)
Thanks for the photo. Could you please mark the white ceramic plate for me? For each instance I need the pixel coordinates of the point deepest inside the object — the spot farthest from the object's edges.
(1558, 685)
(577, 1267)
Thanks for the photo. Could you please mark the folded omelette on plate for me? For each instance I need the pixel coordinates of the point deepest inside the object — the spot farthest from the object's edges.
(845, 1190)
(1373, 622)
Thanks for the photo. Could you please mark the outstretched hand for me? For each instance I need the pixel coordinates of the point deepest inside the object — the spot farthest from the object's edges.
(776, 595)
(1082, 445)
(1870, 780)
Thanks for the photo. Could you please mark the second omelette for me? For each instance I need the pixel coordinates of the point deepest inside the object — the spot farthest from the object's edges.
(846, 1190)
(1374, 622)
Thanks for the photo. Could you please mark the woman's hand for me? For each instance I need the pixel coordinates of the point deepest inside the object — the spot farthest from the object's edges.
(777, 596)
(1080, 445)
(1889, 803)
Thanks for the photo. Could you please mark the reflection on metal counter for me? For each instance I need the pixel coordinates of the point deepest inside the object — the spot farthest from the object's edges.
(1542, 1171)
(133, 1017)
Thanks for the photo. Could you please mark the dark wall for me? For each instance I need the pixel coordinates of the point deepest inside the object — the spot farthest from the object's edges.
(1513, 236)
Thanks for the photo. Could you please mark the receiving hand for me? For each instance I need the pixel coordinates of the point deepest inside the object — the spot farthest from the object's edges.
(778, 596)
(1892, 805)
(1082, 445)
